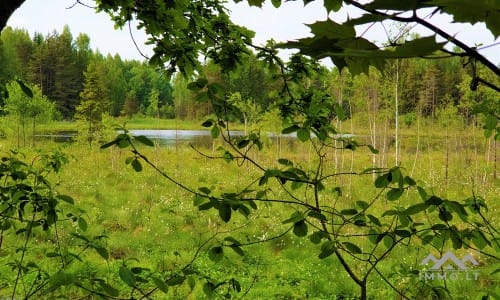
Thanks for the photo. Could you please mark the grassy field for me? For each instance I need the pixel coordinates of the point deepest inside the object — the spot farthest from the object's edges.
(152, 223)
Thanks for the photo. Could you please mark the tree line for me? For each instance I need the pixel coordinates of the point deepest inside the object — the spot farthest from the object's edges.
(70, 74)
(84, 84)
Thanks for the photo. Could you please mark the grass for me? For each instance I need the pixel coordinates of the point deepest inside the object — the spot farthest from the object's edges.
(152, 223)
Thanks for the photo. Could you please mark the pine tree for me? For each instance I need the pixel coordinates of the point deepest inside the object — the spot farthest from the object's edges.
(94, 101)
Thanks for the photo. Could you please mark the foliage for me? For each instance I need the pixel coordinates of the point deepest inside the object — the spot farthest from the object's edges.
(57, 63)
(94, 103)
(358, 234)
(31, 207)
(354, 233)
(27, 106)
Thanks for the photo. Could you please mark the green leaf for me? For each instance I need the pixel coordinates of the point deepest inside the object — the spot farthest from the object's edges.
(372, 149)
(235, 285)
(402, 233)
(127, 276)
(123, 143)
(415, 209)
(348, 212)
(136, 165)
(26, 90)
(198, 84)
(237, 249)
(109, 144)
(390, 212)
(208, 123)
(290, 129)
(382, 181)
(418, 47)
(374, 220)
(362, 204)
(205, 190)
(206, 205)
(294, 218)
(434, 200)
(300, 228)
(215, 132)
(455, 239)
(409, 181)
(388, 241)
(445, 215)
(422, 193)
(208, 289)
(394, 194)
(479, 240)
(60, 279)
(108, 289)
(82, 224)
(257, 3)
(144, 140)
(81, 237)
(396, 176)
(216, 253)
(332, 30)
(393, 5)
(160, 284)
(243, 143)
(317, 236)
(317, 215)
(439, 227)
(456, 207)
(225, 211)
(364, 19)
(333, 5)
(66, 198)
(472, 12)
(373, 236)
(103, 252)
(353, 249)
(176, 280)
(303, 134)
(285, 162)
(327, 249)
(276, 3)
(227, 156)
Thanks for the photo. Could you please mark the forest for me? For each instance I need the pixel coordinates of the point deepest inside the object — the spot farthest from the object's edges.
(349, 169)
(72, 76)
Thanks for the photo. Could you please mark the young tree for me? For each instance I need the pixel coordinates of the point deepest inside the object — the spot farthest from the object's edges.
(26, 108)
(94, 102)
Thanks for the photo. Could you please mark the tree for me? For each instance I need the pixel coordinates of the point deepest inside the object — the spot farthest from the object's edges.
(18, 51)
(94, 101)
(308, 112)
(359, 236)
(28, 108)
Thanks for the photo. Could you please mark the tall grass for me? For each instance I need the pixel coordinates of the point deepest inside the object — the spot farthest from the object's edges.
(153, 221)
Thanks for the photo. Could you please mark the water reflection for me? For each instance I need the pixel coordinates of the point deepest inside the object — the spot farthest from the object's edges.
(166, 137)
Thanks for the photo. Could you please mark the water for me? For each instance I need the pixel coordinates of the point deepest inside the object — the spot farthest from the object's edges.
(172, 137)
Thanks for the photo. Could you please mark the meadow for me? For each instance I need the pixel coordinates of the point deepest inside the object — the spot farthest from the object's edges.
(148, 222)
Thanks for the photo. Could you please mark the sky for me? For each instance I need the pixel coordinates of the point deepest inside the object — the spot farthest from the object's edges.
(286, 23)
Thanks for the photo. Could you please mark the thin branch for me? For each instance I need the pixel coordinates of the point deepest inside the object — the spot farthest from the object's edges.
(79, 2)
(471, 51)
(135, 43)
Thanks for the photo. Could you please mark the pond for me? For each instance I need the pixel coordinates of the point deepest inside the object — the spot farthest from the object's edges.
(174, 138)
(164, 137)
